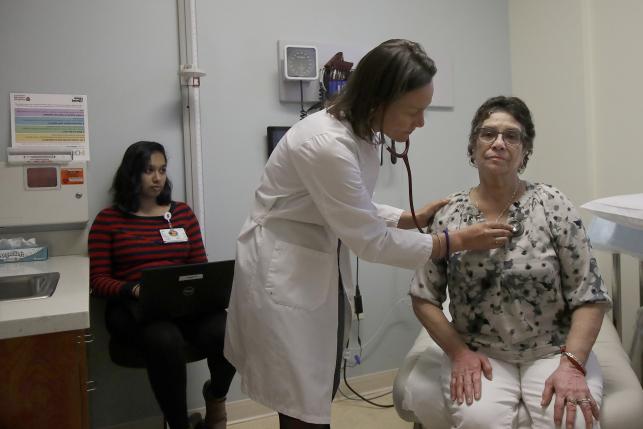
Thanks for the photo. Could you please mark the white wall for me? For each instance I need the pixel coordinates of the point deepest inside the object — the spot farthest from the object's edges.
(577, 65)
(239, 98)
(124, 56)
(549, 65)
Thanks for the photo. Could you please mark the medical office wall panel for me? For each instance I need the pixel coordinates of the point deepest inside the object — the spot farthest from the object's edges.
(577, 65)
(124, 56)
(240, 98)
(617, 93)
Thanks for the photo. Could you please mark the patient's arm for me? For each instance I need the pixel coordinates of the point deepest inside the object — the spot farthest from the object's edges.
(586, 323)
(466, 365)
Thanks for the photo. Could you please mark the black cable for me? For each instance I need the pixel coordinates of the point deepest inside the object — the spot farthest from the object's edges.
(360, 396)
(302, 112)
(357, 399)
(359, 310)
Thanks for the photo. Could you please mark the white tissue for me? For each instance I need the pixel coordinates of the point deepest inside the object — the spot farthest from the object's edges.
(17, 243)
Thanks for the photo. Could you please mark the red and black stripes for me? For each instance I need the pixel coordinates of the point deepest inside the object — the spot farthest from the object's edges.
(122, 244)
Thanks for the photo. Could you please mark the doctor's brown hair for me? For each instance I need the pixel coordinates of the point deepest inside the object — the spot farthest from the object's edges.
(385, 74)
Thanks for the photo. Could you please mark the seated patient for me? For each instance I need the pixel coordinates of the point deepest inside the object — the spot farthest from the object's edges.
(126, 238)
(526, 315)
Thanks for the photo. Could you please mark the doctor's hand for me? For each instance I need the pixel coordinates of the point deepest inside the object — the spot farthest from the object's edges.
(481, 236)
(424, 215)
(466, 366)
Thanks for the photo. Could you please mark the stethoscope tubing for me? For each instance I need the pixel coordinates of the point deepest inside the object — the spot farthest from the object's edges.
(404, 155)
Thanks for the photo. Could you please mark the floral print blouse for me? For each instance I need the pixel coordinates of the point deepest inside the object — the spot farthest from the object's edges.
(515, 303)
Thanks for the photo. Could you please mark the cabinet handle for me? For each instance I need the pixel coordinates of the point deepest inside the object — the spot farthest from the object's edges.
(90, 385)
(85, 338)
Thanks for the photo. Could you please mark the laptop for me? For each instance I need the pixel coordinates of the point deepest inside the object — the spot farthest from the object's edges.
(175, 291)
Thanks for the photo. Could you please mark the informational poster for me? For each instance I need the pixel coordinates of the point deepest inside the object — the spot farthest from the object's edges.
(50, 120)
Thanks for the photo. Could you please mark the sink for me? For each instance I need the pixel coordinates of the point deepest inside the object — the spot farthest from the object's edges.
(31, 286)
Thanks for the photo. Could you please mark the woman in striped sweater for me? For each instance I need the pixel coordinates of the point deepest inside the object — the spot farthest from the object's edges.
(128, 237)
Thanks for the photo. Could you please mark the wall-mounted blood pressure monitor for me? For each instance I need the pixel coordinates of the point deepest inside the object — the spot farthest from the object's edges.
(300, 62)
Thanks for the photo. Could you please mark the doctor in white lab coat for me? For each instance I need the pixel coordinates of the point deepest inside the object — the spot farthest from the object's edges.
(314, 204)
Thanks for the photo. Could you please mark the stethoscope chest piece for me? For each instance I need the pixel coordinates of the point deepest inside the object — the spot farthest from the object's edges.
(518, 226)
(517, 229)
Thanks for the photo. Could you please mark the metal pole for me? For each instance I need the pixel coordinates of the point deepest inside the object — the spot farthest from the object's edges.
(641, 283)
(617, 312)
(193, 159)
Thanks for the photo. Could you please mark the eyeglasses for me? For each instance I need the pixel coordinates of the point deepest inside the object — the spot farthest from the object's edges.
(511, 136)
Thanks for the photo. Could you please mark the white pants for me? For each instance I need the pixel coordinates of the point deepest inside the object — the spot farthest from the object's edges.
(514, 385)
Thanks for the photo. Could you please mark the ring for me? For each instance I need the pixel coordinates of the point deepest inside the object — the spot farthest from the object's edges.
(571, 401)
(584, 401)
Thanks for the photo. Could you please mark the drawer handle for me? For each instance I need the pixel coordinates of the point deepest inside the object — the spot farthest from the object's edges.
(85, 338)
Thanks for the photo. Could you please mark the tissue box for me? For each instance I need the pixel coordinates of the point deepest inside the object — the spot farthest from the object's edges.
(25, 254)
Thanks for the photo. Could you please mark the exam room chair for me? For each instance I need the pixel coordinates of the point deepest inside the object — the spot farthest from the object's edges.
(131, 356)
(417, 395)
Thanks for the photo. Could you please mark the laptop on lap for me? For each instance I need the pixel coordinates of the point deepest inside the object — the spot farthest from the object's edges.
(175, 291)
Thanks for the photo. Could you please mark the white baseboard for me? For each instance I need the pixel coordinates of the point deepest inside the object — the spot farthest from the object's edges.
(247, 409)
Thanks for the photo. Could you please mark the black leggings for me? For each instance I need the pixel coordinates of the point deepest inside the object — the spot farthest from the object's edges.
(163, 344)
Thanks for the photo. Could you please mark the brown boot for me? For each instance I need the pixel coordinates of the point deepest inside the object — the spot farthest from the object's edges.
(215, 413)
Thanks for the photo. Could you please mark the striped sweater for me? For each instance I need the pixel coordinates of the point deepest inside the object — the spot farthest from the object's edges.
(122, 244)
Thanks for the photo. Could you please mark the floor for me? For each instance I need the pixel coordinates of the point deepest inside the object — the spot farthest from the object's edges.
(346, 414)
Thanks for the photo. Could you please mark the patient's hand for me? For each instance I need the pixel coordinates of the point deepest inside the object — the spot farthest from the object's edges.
(569, 385)
(466, 366)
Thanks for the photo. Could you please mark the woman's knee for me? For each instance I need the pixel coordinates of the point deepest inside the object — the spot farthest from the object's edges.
(211, 333)
(483, 415)
(162, 337)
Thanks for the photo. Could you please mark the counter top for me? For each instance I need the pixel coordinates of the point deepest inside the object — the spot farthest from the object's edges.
(66, 310)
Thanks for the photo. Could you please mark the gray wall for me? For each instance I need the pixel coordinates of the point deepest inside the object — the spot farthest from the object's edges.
(239, 98)
(124, 55)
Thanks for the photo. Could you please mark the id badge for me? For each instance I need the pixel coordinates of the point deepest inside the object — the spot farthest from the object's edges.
(173, 235)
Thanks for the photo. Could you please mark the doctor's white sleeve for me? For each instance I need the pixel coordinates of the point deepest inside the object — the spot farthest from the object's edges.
(330, 172)
(390, 214)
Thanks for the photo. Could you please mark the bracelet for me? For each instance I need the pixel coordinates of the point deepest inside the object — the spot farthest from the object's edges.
(446, 237)
(573, 359)
(439, 246)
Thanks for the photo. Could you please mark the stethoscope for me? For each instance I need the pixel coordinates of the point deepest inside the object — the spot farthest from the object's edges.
(518, 227)
(404, 155)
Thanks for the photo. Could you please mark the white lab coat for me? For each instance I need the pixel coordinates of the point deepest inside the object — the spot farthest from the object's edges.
(281, 330)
